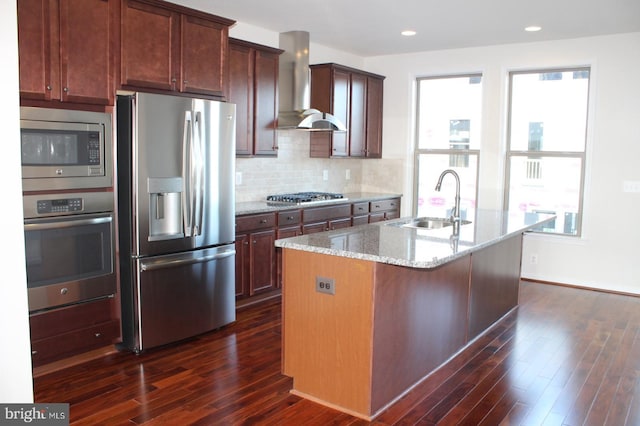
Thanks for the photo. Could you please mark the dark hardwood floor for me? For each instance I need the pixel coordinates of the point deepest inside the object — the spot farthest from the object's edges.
(565, 357)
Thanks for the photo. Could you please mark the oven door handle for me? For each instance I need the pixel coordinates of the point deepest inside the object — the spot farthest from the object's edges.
(31, 226)
(162, 264)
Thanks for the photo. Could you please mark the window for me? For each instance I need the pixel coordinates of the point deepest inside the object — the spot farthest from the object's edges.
(546, 145)
(448, 137)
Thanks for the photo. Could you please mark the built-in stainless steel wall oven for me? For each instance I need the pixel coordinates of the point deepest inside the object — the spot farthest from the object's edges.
(69, 244)
(68, 204)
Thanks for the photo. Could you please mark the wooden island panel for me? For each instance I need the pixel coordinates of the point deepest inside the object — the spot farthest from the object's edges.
(420, 320)
(328, 338)
(494, 283)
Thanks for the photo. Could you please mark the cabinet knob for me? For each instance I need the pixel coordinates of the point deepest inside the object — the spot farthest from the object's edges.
(65, 89)
(185, 82)
(64, 291)
(173, 80)
(289, 217)
(254, 241)
(98, 335)
(48, 87)
(34, 353)
(246, 243)
(263, 220)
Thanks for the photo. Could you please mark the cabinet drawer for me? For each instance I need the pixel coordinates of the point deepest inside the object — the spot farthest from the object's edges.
(255, 222)
(74, 342)
(382, 205)
(326, 213)
(59, 321)
(360, 220)
(289, 218)
(360, 209)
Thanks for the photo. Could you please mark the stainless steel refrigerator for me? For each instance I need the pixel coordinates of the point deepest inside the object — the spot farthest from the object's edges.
(176, 217)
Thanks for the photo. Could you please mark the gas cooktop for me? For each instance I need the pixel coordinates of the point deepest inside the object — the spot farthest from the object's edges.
(305, 198)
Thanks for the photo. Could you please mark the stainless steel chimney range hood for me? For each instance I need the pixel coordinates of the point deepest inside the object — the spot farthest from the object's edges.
(295, 86)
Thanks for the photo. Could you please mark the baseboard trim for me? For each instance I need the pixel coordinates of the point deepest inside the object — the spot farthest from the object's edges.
(580, 287)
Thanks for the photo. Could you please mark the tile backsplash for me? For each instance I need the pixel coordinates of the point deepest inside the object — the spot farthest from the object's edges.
(293, 171)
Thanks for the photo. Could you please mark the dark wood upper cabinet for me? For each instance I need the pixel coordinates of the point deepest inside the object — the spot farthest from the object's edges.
(354, 97)
(253, 87)
(171, 48)
(66, 50)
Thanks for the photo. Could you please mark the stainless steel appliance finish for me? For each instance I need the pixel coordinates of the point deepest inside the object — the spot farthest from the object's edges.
(176, 210)
(305, 198)
(295, 87)
(65, 149)
(69, 245)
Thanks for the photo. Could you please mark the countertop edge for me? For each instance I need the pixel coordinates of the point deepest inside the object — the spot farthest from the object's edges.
(289, 243)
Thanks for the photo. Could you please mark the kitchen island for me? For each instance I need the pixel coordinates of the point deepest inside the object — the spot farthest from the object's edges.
(370, 311)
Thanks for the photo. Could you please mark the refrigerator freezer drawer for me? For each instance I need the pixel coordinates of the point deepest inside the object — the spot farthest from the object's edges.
(183, 295)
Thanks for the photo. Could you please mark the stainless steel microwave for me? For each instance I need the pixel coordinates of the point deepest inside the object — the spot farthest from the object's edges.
(65, 149)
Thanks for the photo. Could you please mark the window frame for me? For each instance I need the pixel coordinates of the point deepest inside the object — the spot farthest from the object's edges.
(439, 151)
(581, 155)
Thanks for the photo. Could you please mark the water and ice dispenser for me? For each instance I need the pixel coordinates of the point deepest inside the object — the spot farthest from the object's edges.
(165, 208)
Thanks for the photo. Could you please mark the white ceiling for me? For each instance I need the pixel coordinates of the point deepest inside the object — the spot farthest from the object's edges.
(372, 27)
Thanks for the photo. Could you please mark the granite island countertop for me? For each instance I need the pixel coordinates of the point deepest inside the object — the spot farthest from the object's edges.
(392, 243)
(254, 207)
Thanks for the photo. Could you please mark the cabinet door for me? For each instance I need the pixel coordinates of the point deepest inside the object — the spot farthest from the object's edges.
(203, 46)
(149, 54)
(241, 94)
(266, 102)
(341, 99)
(34, 40)
(86, 53)
(357, 119)
(262, 261)
(242, 265)
(374, 117)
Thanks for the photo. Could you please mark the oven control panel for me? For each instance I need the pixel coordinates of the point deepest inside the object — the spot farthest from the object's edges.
(61, 205)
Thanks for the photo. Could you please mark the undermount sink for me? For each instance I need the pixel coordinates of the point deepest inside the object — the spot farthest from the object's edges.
(432, 223)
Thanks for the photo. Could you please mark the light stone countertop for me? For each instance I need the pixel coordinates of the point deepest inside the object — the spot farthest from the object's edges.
(389, 242)
(254, 207)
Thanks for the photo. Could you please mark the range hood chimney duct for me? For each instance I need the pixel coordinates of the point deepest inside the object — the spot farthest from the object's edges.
(295, 87)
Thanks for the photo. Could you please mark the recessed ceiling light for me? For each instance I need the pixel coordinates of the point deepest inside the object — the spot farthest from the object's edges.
(408, 33)
(532, 28)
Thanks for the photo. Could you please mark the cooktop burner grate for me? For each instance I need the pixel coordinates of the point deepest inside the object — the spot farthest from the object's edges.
(305, 198)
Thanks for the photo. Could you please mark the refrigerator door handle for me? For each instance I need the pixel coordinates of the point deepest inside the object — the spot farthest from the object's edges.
(161, 264)
(198, 200)
(187, 174)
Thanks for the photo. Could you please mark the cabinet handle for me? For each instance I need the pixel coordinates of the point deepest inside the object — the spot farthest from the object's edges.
(377, 206)
(34, 353)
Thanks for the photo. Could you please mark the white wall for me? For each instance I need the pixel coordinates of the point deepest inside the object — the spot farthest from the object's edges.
(606, 256)
(15, 355)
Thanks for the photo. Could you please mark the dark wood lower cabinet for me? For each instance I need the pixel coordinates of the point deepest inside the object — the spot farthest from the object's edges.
(258, 263)
(72, 330)
(255, 254)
